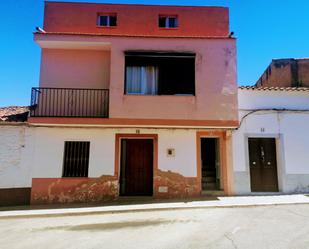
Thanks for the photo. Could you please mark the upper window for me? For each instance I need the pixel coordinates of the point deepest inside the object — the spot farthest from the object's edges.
(76, 159)
(168, 21)
(107, 20)
(155, 73)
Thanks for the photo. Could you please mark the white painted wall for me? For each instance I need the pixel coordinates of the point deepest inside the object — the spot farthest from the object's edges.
(290, 128)
(49, 148)
(15, 156)
(37, 152)
(253, 99)
(184, 143)
(294, 128)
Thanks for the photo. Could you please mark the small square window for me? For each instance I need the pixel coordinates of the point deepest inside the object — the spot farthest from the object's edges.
(168, 21)
(108, 20)
(103, 20)
(112, 20)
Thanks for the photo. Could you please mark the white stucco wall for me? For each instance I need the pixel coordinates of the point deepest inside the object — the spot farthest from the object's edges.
(248, 99)
(15, 156)
(37, 152)
(290, 128)
(49, 149)
(184, 143)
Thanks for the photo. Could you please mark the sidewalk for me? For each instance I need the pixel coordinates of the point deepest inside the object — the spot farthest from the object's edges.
(221, 202)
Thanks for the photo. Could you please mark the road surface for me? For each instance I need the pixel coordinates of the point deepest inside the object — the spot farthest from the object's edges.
(277, 226)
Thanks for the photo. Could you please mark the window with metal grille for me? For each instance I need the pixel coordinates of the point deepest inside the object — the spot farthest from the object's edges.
(76, 159)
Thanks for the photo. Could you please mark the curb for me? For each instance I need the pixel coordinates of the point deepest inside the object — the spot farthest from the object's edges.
(52, 213)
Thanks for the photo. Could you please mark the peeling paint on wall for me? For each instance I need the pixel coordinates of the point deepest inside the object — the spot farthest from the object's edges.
(72, 190)
(176, 184)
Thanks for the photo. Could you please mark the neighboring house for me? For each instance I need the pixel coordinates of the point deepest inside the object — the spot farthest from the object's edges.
(15, 156)
(286, 73)
(14, 114)
(270, 148)
(133, 100)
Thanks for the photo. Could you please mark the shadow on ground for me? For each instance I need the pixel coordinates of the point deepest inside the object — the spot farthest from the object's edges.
(96, 227)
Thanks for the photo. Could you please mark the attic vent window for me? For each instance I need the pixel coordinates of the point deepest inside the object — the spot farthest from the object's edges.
(168, 21)
(107, 20)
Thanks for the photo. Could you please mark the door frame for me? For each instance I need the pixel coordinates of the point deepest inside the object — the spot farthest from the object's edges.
(279, 156)
(119, 137)
(218, 161)
(224, 157)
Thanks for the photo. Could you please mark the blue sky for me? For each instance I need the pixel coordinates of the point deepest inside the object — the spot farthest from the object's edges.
(265, 29)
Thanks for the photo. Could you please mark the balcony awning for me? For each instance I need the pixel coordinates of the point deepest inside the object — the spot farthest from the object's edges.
(160, 54)
(66, 42)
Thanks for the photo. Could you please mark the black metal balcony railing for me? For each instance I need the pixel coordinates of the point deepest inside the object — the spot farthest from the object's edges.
(69, 102)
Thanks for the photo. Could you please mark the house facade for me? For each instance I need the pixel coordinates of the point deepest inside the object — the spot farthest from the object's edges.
(128, 109)
(270, 146)
(15, 156)
(268, 153)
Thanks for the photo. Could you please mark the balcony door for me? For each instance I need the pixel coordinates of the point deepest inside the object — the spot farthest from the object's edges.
(159, 73)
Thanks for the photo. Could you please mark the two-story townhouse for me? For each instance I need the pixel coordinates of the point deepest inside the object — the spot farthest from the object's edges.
(133, 100)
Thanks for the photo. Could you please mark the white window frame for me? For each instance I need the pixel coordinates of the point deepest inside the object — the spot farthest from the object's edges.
(167, 21)
(108, 20)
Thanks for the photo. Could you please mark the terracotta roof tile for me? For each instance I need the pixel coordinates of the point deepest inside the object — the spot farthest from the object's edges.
(275, 88)
(14, 113)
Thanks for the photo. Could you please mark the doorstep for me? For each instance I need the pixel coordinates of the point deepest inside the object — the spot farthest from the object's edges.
(220, 202)
(213, 193)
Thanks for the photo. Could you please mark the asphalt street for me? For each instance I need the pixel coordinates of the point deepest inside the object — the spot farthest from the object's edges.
(276, 226)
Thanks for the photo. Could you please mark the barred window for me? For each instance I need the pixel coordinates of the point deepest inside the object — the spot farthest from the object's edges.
(76, 159)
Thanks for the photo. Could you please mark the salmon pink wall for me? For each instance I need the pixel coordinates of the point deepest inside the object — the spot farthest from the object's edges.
(215, 77)
(75, 68)
(215, 81)
(136, 20)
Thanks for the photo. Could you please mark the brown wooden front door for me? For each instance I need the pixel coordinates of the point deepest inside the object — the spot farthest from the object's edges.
(263, 165)
(136, 176)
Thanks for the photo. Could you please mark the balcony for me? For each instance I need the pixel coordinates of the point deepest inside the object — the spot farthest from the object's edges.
(69, 102)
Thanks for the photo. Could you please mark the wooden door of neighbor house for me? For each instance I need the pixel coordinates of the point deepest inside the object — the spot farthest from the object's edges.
(136, 176)
(263, 164)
